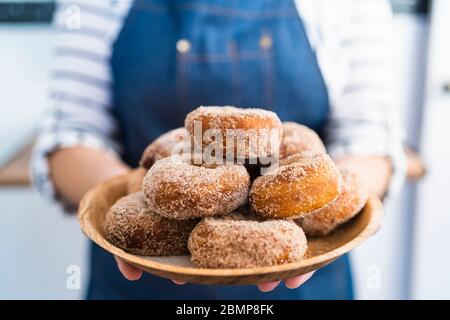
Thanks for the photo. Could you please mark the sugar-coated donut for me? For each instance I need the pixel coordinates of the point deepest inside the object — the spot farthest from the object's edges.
(352, 199)
(177, 189)
(237, 241)
(296, 158)
(134, 183)
(170, 143)
(298, 138)
(297, 189)
(244, 133)
(131, 226)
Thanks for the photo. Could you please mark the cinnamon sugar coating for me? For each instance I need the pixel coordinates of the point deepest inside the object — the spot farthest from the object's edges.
(165, 146)
(246, 133)
(297, 189)
(239, 242)
(298, 138)
(350, 202)
(131, 226)
(174, 188)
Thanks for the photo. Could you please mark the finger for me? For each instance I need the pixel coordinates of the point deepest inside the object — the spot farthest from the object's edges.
(180, 283)
(269, 286)
(128, 271)
(296, 282)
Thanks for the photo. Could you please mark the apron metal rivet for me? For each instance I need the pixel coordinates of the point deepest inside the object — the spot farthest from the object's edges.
(265, 42)
(183, 45)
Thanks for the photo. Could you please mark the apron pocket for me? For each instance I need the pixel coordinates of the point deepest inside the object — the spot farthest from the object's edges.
(237, 77)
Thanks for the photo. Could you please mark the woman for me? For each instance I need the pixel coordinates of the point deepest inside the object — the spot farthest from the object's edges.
(128, 71)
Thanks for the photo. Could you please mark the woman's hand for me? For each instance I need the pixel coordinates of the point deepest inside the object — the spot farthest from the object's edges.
(292, 283)
(128, 271)
(374, 172)
(132, 273)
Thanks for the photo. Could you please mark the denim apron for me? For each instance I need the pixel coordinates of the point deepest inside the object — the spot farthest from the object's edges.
(175, 55)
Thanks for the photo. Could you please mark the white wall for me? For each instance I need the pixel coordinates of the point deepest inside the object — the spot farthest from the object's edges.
(431, 259)
(24, 60)
(382, 266)
(37, 243)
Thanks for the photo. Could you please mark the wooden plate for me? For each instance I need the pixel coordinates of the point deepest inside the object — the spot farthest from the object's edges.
(321, 251)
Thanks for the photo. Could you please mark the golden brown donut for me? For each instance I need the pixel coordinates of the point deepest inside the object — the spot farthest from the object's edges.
(174, 188)
(131, 226)
(350, 202)
(244, 133)
(239, 242)
(297, 189)
(134, 183)
(298, 138)
(169, 143)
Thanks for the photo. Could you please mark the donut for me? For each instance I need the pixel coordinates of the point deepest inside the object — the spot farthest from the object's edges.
(131, 226)
(177, 189)
(234, 132)
(298, 138)
(297, 189)
(171, 142)
(237, 241)
(350, 202)
(134, 183)
(295, 158)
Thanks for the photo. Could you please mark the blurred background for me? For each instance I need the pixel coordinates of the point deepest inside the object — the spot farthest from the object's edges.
(408, 259)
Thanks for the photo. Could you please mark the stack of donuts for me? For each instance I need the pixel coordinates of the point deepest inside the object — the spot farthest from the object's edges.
(233, 209)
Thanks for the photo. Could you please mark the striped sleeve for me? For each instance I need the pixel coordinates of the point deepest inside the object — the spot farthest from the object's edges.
(354, 40)
(79, 98)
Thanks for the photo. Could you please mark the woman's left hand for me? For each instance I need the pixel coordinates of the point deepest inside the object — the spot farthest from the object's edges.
(374, 172)
(133, 274)
(292, 283)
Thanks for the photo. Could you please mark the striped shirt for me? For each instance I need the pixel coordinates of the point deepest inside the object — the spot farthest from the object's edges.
(352, 40)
